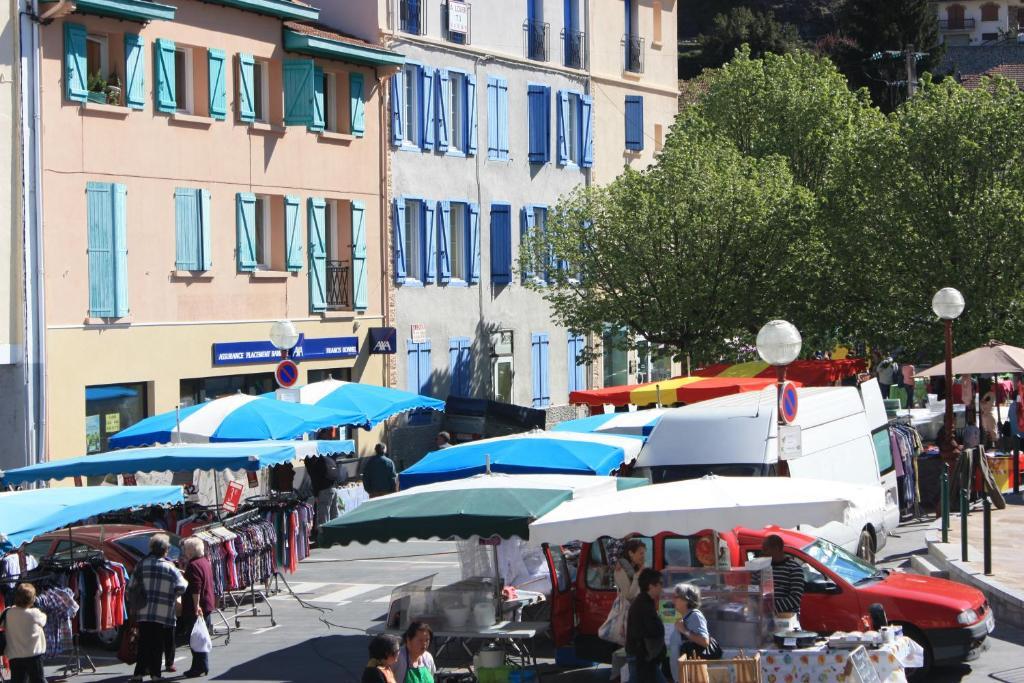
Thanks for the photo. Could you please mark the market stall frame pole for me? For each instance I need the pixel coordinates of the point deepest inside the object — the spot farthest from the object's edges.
(944, 493)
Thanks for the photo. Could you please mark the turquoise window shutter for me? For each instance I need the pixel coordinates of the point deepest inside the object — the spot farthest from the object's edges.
(186, 225)
(503, 119)
(397, 112)
(246, 88)
(317, 213)
(527, 222)
(76, 80)
(205, 237)
(166, 94)
(444, 257)
(471, 115)
(293, 233)
(245, 223)
(120, 210)
(319, 123)
(428, 122)
(474, 243)
(356, 105)
(360, 284)
(492, 117)
(587, 130)
(563, 127)
(428, 240)
(444, 116)
(298, 92)
(398, 214)
(134, 71)
(501, 244)
(216, 59)
(100, 218)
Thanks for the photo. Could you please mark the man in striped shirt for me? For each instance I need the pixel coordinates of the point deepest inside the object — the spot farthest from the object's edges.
(787, 576)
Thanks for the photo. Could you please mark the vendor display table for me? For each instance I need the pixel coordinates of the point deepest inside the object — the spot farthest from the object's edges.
(515, 635)
(823, 664)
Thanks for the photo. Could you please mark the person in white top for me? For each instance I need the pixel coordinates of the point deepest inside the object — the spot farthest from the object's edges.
(26, 641)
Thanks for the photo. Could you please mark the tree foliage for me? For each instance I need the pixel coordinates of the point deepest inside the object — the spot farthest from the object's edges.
(781, 193)
(741, 26)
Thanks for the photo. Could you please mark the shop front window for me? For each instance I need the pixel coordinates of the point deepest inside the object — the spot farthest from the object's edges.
(616, 360)
(341, 374)
(109, 408)
(200, 389)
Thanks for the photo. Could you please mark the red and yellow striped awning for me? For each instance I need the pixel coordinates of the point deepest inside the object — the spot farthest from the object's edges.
(670, 391)
(810, 373)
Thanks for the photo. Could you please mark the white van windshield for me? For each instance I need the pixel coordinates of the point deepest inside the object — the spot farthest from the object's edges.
(849, 567)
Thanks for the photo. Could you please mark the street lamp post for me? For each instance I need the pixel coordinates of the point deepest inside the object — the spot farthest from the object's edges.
(284, 336)
(948, 304)
(778, 344)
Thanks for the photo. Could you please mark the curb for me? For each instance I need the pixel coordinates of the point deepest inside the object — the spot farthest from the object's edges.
(1007, 603)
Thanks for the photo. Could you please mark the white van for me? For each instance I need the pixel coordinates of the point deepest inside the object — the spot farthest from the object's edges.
(844, 437)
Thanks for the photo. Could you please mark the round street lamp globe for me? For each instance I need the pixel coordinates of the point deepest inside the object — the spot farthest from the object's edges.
(283, 335)
(778, 343)
(948, 303)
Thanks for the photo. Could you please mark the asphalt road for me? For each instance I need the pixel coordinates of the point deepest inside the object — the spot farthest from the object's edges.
(346, 590)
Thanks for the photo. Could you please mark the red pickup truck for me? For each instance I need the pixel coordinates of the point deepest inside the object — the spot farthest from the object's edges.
(949, 620)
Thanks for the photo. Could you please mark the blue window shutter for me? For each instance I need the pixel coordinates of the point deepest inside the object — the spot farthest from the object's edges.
(76, 80)
(412, 366)
(527, 222)
(165, 91)
(502, 119)
(217, 87)
(501, 244)
(134, 71)
(100, 222)
(454, 368)
(444, 257)
(316, 213)
(360, 293)
(545, 372)
(245, 223)
(444, 117)
(298, 92)
(539, 108)
(423, 364)
(120, 197)
(293, 233)
(428, 241)
(205, 227)
(356, 105)
(473, 243)
(318, 122)
(587, 130)
(397, 111)
(466, 364)
(492, 117)
(428, 104)
(471, 114)
(634, 122)
(246, 88)
(186, 228)
(539, 370)
(577, 372)
(399, 239)
(563, 127)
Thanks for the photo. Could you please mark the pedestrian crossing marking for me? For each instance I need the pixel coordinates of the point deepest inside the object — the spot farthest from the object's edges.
(346, 594)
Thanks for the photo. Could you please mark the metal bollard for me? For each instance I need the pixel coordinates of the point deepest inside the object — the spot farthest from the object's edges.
(963, 524)
(944, 484)
(987, 531)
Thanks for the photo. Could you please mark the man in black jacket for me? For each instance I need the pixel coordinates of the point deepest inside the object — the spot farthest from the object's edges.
(645, 632)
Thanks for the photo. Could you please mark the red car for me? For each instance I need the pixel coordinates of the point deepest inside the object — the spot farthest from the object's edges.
(949, 620)
(124, 543)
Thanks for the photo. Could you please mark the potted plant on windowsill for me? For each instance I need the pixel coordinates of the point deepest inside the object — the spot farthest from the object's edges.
(97, 88)
(113, 90)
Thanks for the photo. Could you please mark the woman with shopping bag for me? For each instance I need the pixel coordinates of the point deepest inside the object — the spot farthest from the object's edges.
(197, 605)
(627, 569)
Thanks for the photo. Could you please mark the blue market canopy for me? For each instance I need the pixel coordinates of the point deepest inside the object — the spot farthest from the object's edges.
(376, 403)
(251, 456)
(233, 418)
(637, 423)
(530, 453)
(27, 514)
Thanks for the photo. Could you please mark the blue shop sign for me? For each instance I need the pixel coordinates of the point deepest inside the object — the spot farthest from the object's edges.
(323, 348)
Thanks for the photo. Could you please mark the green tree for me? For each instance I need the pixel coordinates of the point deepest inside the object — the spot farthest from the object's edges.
(689, 253)
(743, 26)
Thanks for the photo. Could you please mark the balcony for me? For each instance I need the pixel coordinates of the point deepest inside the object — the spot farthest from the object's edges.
(535, 40)
(411, 17)
(339, 289)
(953, 25)
(457, 37)
(574, 49)
(633, 54)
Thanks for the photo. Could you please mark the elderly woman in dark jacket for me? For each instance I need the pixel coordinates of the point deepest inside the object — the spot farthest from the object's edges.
(645, 632)
(198, 601)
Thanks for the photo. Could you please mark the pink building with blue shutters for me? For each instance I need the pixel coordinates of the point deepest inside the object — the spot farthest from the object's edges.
(207, 168)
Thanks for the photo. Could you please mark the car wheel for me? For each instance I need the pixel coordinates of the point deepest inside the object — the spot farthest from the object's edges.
(915, 634)
(866, 546)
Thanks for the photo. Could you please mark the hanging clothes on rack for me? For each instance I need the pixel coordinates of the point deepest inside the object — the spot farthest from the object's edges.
(906, 445)
(242, 551)
(292, 521)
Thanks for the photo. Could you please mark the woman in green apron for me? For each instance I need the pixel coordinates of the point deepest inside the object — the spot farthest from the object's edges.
(415, 664)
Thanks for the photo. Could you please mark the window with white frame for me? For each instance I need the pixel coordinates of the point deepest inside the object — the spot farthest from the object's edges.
(411, 83)
(572, 130)
(97, 56)
(262, 225)
(183, 79)
(457, 246)
(261, 90)
(330, 102)
(457, 107)
(413, 236)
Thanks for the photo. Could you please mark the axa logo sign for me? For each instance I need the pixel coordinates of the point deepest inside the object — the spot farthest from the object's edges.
(383, 346)
(383, 340)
